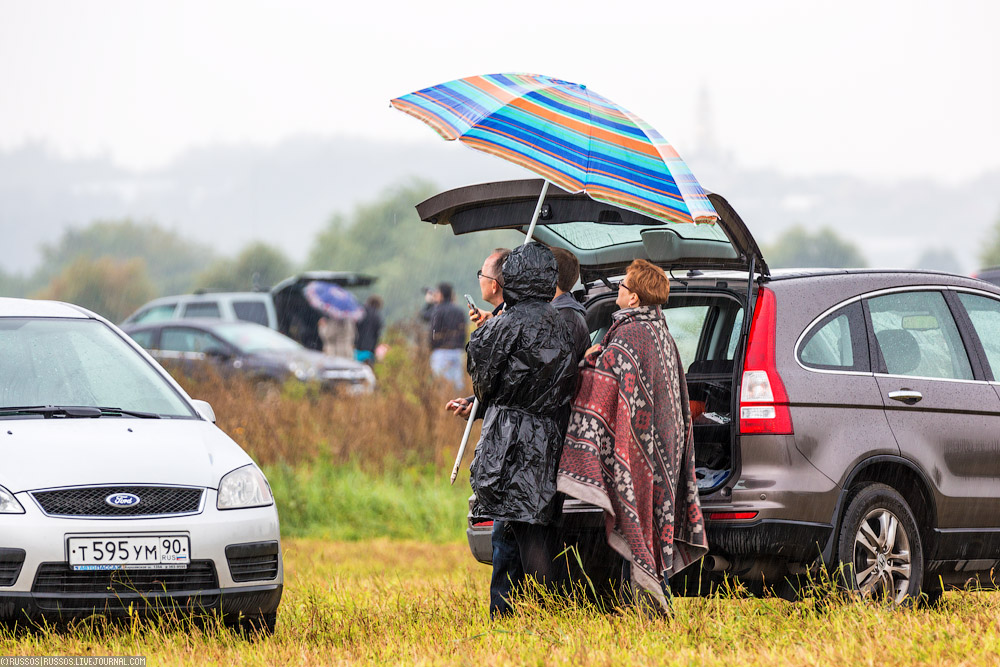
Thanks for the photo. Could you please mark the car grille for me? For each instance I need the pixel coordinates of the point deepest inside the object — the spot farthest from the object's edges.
(10, 565)
(257, 561)
(59, 578)
(89, 501)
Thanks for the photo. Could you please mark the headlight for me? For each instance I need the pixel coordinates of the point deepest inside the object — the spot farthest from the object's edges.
(8, 503)
(244, 487)
(302, 371)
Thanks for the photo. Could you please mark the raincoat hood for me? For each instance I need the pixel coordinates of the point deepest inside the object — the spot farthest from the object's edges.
(529, 273)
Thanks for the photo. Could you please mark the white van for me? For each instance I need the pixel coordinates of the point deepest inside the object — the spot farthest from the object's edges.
(283, 308)
(257, 307)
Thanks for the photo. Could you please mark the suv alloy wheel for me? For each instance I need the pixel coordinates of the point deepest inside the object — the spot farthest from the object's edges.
(879, 546)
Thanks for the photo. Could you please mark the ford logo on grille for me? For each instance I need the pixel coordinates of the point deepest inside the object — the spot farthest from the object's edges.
(122, 500)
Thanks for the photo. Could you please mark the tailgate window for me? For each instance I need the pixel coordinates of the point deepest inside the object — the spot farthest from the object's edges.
(251, 311)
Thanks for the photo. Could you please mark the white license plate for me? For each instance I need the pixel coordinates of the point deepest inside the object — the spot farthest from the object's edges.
(130, 552)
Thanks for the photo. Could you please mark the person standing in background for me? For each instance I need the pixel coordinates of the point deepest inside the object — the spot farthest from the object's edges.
(337, 334)
(369, 331)
(448, 326)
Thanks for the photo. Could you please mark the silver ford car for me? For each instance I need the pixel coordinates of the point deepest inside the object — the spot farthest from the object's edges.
(117, 490)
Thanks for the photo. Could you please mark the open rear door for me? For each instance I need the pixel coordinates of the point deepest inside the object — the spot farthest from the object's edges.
(604, 238)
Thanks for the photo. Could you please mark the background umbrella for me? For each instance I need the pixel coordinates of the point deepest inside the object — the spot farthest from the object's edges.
(333, 300)
(568, 135)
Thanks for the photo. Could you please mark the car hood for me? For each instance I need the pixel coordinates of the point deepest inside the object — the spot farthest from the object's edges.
(48, 453)
(605, 238)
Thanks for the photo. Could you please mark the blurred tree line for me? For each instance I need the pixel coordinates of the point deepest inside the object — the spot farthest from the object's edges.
(113, 267)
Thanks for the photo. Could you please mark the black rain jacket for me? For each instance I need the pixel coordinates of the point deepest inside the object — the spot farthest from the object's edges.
(523, 368)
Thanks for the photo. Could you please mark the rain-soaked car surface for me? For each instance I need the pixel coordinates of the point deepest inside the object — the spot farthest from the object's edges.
(118, 494)
(852, 420)
(284, 307)
(250, 350)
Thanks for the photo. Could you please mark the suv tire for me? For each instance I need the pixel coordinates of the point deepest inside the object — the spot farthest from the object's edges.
(879, 547)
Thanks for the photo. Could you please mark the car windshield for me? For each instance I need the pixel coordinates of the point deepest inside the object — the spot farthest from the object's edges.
(70, 362)
(594, 235)
(254, 338)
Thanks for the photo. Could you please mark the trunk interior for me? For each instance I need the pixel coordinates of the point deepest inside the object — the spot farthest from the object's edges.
(706, 323)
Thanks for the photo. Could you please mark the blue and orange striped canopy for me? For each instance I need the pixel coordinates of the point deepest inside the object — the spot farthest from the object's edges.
(569, 135)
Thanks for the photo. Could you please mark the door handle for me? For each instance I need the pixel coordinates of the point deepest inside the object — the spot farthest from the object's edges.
(906, 396)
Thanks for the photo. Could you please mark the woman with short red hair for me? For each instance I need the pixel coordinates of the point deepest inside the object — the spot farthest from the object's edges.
(629, 448)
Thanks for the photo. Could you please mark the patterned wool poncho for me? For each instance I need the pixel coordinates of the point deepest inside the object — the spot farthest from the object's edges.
(630, 451)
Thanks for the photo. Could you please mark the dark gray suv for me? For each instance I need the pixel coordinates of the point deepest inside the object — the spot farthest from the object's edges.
(853, 420)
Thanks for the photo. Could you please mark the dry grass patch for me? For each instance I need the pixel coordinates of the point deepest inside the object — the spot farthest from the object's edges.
(391, 602)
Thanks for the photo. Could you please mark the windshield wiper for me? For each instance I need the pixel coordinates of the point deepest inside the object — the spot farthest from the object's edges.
(53, 410)
(74, 411)
(130, 413)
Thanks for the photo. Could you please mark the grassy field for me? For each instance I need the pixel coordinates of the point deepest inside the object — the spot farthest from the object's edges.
(377, 571)
(404, 602)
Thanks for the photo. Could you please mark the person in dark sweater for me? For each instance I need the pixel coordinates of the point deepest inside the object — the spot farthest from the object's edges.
(369, 330)
(448, 329)
(572, 311)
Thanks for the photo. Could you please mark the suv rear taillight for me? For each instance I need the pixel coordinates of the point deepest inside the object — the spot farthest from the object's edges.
(763, 401)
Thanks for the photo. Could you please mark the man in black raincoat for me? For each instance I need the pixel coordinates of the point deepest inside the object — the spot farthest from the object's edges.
(523, 369)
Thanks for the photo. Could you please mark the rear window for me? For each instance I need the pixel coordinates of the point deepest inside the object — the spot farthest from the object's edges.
(251, 311)
(202, 309)
(594, 235)
(837, 342)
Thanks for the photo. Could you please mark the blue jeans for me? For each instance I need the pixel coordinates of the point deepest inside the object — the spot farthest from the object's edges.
(448, 364)
(507, 569)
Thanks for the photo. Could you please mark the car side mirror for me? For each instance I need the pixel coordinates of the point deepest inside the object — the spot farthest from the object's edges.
(204, 409)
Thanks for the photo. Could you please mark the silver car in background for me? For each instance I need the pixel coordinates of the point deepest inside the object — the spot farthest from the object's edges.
(117, 490)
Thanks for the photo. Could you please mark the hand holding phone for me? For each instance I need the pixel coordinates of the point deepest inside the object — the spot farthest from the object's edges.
(473, 308)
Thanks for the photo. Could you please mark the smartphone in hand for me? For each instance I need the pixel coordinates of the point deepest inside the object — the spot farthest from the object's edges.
(472, 306)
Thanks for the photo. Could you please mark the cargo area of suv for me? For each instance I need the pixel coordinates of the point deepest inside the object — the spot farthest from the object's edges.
(705, 318)
(848, 422)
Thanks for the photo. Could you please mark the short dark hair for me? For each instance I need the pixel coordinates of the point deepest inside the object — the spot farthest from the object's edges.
(569, 268)
(501, 256)
(375, 301)
(445, 290)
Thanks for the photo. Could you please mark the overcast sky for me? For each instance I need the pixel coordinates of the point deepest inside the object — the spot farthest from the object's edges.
(880, 89)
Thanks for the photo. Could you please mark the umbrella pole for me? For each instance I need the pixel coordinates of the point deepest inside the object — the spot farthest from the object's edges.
(465, 439)
(475, 403)
(538, 210)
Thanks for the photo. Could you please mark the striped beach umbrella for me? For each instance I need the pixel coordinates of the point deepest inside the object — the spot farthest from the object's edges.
(569, 135)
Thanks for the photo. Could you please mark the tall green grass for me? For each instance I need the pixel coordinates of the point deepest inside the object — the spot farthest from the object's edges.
(346, 502)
